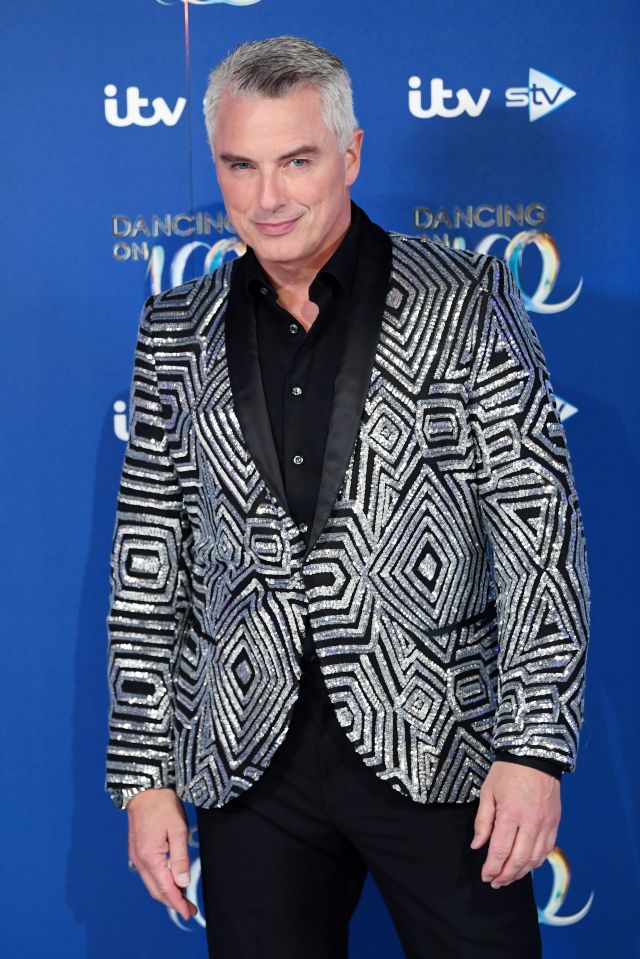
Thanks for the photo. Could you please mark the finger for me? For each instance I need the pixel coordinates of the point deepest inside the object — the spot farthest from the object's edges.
(542, 849)
(143, 872)
(157, 877)
(483, 823)
(150, 884)
(551, 838)
(179, 855)
(502, 838)
(520, 860)
(543, 846)
(184, 906)
(170, 893)
(149, 844)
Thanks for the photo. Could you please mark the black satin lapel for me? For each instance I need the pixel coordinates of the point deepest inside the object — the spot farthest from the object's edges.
(369, 294)
(247, 389)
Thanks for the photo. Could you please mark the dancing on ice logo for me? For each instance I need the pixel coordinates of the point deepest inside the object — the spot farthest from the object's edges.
(150, 239)
(503, 215)
(207, 3)
(561, 871)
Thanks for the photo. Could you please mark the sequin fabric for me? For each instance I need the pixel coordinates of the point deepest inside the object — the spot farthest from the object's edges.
(448, 593)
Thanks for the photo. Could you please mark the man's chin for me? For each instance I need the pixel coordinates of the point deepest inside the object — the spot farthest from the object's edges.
(277, 249)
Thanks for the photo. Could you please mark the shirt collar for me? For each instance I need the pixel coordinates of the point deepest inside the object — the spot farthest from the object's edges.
(341, 265)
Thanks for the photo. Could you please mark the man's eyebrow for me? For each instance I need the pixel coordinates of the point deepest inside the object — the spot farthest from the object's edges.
(304, 150)
(232, 158)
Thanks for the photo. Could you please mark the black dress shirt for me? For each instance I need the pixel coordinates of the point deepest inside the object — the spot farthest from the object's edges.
(298, 370)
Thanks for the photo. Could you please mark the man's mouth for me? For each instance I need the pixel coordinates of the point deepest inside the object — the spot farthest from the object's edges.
(276, 229)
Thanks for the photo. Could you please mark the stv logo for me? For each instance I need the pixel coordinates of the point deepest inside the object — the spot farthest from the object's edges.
(543, 95)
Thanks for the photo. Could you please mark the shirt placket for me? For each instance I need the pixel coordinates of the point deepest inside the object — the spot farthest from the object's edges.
(297, 419)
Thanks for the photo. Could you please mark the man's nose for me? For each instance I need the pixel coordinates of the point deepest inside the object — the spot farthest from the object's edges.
(271, 194)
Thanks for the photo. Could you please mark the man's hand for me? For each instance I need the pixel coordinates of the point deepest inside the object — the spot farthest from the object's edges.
(157, 826)
(520, 809)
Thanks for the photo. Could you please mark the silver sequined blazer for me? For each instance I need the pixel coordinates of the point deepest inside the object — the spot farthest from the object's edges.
(445, 577)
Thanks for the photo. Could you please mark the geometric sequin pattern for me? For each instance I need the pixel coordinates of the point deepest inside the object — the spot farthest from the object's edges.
(447, 594)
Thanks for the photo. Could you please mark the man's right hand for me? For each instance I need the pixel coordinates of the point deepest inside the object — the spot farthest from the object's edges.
(158, 825)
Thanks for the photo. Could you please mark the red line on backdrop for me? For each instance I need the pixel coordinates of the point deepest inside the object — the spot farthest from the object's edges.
(187, 70)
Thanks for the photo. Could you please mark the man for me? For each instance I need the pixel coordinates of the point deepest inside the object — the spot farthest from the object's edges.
(349, 608)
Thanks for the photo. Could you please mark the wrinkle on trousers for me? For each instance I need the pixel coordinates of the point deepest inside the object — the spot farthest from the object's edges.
(283, 865)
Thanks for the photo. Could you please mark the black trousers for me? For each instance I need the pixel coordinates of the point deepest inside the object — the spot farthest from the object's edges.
(284, 864)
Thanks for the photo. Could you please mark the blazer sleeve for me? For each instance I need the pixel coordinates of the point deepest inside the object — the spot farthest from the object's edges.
(534, 532)
(150, 591)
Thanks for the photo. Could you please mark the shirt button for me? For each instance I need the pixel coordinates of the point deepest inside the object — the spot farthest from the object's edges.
(264, 290)
(293, 328)
(296, 390)
(298, 459)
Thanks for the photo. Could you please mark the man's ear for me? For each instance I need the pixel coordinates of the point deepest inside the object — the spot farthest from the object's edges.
(352, 157)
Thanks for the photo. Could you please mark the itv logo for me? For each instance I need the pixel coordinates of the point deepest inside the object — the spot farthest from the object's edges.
(438, 98)
(134, 106)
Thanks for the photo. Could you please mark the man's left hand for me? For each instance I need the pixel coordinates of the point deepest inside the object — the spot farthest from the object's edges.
(520, 810)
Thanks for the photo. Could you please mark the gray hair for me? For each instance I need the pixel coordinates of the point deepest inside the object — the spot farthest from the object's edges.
(278, 67)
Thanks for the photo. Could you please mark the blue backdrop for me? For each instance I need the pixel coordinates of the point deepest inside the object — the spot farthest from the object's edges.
(502, 127)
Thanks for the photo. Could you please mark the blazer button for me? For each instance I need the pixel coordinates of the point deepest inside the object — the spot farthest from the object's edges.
(297, 459)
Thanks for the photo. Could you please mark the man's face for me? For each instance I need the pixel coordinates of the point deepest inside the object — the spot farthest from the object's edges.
(284, 182)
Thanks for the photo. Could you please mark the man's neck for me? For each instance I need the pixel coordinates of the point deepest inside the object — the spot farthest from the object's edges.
(291, 281)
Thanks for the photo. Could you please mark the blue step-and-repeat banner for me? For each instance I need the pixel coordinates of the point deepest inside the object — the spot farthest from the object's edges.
(502, 127)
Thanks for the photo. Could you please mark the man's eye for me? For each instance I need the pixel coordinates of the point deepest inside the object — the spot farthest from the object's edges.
(240, 165)
(299, 162)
